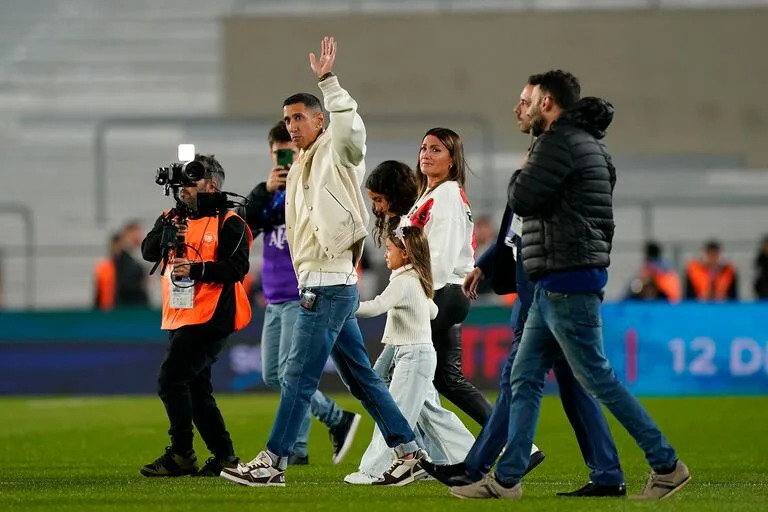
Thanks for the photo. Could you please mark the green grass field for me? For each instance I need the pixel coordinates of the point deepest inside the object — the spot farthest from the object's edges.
(80, 454)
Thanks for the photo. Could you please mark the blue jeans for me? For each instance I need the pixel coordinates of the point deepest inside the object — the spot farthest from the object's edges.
(276, 338)
(330, 329)
(584, 413)
(570, 325)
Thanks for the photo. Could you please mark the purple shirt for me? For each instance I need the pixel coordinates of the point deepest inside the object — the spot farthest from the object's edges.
(278, 279)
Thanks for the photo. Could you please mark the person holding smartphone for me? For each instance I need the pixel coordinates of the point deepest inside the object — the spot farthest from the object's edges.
(265, 213)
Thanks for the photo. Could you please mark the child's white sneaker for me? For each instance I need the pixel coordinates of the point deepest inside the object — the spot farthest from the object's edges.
(360, 478)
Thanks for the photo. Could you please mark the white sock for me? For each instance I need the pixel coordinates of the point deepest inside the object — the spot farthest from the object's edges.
(534, 449)
(278, 462)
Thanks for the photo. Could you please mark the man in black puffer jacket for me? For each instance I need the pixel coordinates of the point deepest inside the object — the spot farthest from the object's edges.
(564, 193)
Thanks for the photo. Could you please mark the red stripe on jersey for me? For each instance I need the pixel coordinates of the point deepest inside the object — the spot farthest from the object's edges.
(421, 216)
(469, 211)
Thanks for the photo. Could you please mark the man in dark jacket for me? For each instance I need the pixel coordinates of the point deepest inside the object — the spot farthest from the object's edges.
(501, 267)
(204, 301)
(564, 194)
(130, 275)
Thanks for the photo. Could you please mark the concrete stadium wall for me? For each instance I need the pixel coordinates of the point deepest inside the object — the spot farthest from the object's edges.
(683, 82)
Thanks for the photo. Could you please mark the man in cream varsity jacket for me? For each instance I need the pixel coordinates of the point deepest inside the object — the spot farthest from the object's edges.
(326, 218)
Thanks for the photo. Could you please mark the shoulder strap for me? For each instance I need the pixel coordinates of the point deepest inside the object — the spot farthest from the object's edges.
(222, 217)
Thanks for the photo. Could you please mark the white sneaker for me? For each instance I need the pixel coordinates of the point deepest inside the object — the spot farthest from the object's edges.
(257, 473)
(360, 478)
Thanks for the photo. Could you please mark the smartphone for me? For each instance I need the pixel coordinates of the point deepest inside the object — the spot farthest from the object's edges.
(284, 158)
(307, 300)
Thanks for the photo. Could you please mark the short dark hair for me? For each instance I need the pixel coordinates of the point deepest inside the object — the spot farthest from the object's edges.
(564, 87)
(652, 251)
(213, 169)
(712, 245)
(278, 133)
(309, 100)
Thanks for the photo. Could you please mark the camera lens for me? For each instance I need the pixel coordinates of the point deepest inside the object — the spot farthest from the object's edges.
(193, 171)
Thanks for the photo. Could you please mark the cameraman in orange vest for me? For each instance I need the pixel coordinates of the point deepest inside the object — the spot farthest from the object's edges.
(204, 301)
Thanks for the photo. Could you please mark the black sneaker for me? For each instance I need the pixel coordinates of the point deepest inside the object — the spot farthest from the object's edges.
(214, 465)
(593, 490)
(171, 464)
(343, 434)
(537, 458)
(298, 460)
(452, 475)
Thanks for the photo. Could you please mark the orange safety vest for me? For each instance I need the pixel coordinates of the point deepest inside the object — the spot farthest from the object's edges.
(248, 283)
(509, 299)
(104, 278)
(203, 235)
(704, 286)
(667, 282)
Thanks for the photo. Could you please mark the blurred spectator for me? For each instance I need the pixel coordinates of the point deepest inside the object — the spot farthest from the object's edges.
(248, 285)
(657, 280)
(130, 275)
(255, 291)
(761, 271)
(367, 281)
(485, 235)
(710, 278)
(104, 276)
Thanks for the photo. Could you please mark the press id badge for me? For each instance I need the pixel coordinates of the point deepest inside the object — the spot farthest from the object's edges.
(515, 229)
(182, 293)
(517, 225)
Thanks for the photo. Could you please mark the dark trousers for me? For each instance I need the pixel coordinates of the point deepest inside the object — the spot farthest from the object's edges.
(583, 411)
(184, 386)
(446, 337)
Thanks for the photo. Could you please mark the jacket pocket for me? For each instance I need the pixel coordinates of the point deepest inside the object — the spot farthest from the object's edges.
(336, 200)
(340, 220)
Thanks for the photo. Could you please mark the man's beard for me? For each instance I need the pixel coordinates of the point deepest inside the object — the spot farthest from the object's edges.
(537, 125)
(190, 202)
(523, 127)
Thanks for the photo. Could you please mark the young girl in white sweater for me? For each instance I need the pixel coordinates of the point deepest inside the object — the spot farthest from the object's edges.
(408, 362)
